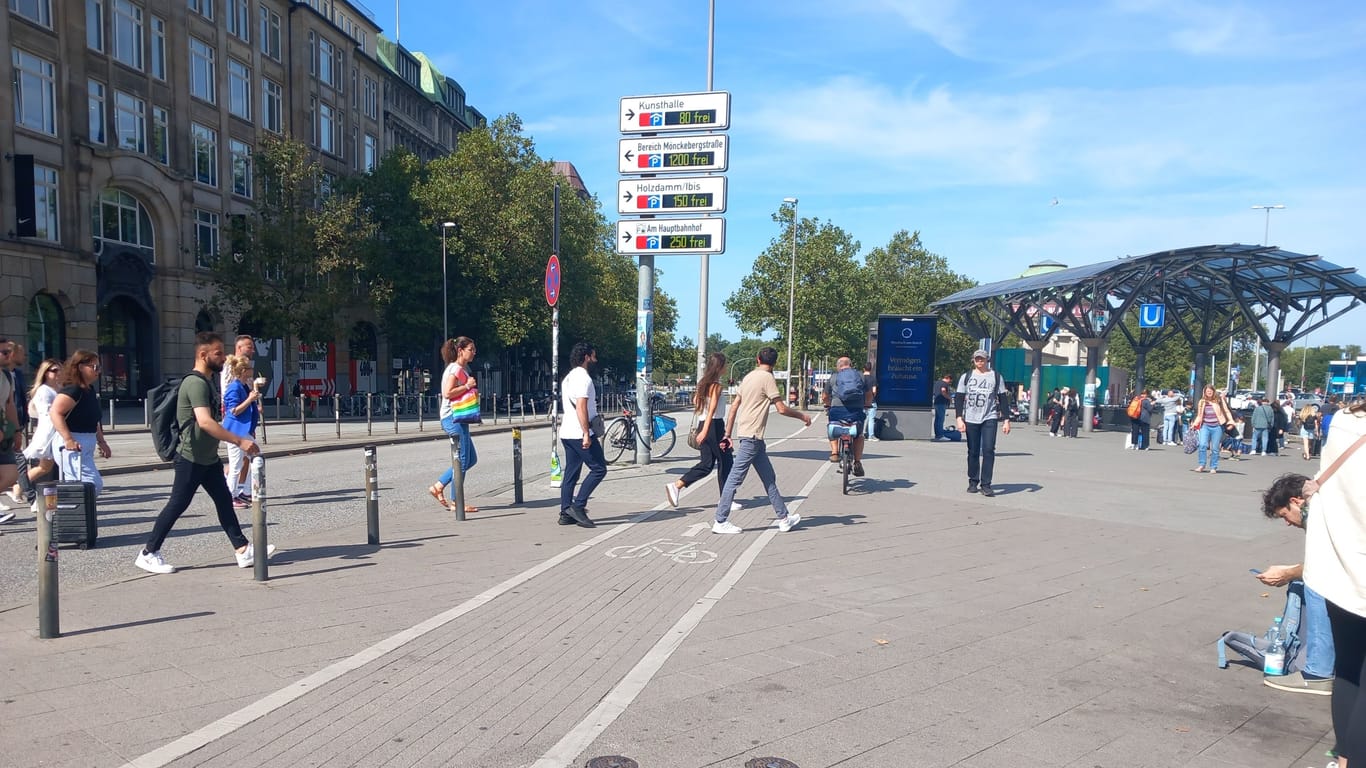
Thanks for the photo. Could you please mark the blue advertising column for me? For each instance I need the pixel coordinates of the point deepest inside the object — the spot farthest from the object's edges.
(904, 370)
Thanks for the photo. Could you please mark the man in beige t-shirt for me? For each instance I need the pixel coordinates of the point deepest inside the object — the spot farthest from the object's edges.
(748, 418)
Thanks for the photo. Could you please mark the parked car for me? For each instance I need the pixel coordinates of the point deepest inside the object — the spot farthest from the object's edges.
(1307, 398)
(1244, 399)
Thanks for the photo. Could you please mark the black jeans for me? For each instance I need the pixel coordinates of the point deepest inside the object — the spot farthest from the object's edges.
(712, 455)
(575, 457)
(1138, 434)
(981, 451)
(190, 477)
(1349, 705)
(1070, 422)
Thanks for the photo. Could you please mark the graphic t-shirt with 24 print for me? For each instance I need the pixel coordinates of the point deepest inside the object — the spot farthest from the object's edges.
(980, 401)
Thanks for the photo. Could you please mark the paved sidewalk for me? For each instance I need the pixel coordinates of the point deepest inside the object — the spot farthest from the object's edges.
(1067, 622)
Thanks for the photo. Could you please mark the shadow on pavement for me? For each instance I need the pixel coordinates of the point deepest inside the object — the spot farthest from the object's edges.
(816, 521)
(320, 571)
(864, 485)
(1005, 489)
(144, 622)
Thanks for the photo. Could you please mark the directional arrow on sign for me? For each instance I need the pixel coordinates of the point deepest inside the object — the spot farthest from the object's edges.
(630, 155)
(630, 114)
(627, 196)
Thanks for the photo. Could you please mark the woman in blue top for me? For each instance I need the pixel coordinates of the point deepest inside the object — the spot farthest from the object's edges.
(241, 414)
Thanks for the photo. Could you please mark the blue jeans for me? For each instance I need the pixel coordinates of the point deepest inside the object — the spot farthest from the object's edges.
(468, 456)
(750, 451)
(1259, 438)
(1318, 636)
(1210, 435)
(939, 411)
(1168, 427)
(981, 451)
(575, 458)
(868, 423)
(79, 465)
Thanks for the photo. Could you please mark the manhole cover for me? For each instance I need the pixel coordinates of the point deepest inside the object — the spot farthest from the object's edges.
(770, 762)
(611, 761)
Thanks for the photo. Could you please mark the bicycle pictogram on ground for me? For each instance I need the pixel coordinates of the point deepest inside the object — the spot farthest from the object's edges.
(679, 552)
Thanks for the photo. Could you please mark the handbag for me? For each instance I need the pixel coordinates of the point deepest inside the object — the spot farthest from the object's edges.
(1191, 442)
(598, 426)
(694, 436)
(465, 409)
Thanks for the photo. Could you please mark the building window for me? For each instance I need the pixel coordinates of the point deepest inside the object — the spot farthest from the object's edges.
(46, 328)
(371, 99)
(94, 24)
(96, 111)
(158, 48)
(122, 220)
(270, 33)
(241, 167)
(203, 8)
(327, 125)
(271, 105)
(128, 34)
(202, 75)
(205, 237)
(161, 136)
(239, 89)
(239, 19)
(371, 152)
(327, 74)
(205, 154)
(37, 11)
(35, 94)
(130, 122)
(45, 203)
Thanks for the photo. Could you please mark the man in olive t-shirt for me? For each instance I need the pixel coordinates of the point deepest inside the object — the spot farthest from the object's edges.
(747, 420)
(197, 464)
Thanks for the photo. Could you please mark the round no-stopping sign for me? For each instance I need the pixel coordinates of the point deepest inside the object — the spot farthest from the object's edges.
(552, 280)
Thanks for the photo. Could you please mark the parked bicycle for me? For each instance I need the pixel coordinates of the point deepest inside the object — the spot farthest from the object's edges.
(622, 434)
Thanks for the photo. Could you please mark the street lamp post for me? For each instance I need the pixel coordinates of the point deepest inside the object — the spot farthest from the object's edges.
(791, 289)
(445, 329)
(1266, 230)
(1256, 345)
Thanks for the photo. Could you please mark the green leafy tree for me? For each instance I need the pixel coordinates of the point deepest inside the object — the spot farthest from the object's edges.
(294, 264)
(903, 277)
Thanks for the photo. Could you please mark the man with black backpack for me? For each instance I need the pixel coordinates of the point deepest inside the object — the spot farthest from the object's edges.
(847, 393)
(197, 464)
(980, 402)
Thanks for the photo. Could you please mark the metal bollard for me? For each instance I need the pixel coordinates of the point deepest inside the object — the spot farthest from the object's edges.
(111, 414)
(493, 405)
(396, 413)
(259, 537)
(264, 441)
(516, 466)
(457, 479)
(369, 414)
(303, 420)
(371, 495)
(49, 615)
(419, 412)
(521, 407)
(336, 412)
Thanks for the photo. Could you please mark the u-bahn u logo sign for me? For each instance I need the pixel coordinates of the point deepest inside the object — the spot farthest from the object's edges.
(1152, 315)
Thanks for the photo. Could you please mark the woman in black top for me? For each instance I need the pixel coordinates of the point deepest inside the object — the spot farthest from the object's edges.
(76, 420)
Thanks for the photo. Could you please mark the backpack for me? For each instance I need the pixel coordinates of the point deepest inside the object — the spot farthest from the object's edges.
(1135, 408)
(166, 429)
(848, 387)
(1254, 647)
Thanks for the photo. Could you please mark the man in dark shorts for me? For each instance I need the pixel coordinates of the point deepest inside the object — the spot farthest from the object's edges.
(847, 393)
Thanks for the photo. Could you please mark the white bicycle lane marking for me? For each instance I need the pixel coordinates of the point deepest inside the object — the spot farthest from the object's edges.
(228, 724)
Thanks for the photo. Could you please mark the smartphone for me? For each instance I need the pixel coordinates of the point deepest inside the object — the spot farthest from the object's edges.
(1254, 572)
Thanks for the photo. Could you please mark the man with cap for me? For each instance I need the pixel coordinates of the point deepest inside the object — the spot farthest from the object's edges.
(980, 402)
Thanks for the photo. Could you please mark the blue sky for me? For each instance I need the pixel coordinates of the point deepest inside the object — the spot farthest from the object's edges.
(1154, 124)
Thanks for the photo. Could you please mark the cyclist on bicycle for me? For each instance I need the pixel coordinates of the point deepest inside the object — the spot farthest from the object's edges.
(846, 394)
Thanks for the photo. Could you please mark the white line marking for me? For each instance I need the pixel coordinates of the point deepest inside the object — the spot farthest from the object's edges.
(614, 703)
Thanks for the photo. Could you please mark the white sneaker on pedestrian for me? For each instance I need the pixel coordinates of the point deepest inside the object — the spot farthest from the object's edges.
(16, 498)
(6, 516)
(248, 558)
(736, 506)
(788, 523)
(152, 563)
(726, 527)
(671, 491)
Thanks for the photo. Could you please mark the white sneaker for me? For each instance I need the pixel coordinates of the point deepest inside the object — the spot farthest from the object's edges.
(788, 523)
(671, 491)
(726, 527)
(736, 506)
(16, 498)
(6, 516)
(248, 558)
(151, 562)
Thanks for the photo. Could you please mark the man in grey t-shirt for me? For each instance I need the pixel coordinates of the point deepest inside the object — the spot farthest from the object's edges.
(979, 403)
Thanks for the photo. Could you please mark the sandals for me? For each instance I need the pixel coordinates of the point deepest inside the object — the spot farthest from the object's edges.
(834, 458)
(438, 493)
(470, 510)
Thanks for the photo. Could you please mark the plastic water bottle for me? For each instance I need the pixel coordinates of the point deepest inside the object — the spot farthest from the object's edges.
(1275, 652)
(556, 473)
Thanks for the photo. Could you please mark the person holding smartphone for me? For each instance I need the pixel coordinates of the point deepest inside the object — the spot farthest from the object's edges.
(1286, 500)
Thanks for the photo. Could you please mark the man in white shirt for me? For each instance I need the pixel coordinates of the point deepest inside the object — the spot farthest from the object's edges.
(579, 398)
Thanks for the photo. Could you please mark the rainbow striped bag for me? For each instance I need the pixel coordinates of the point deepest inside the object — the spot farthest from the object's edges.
(465, 409)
